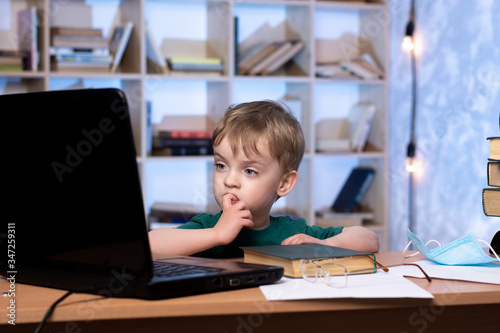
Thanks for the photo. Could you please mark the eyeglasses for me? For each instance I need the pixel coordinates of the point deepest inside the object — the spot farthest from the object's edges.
(333, 274)
(336, 275)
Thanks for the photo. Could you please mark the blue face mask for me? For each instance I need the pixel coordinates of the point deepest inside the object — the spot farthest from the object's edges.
(463, 251)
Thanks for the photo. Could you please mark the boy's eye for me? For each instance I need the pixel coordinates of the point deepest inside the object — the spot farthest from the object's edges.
(250, 172)
(220, 166)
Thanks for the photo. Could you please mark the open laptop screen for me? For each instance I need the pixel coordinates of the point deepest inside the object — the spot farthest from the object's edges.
(73, 190)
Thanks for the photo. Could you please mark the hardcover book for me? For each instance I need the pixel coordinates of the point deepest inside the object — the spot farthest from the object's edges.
(119, 42)
(491, 201)
(493, 173)
(494, 147)
(289, 256)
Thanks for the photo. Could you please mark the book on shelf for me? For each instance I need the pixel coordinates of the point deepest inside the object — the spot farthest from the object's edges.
(363, 67)
(195, 64)
(118, 43)
(491, 201)
(360, 120)
(332, 135)
(182, 143)
(156, 62)
(333, 71)
(493, 173)
(13, 60)
(174, 212)
(27, 25)
(262, 65)
(284, 58)
(289, 256)
(79, 41)
(185, 134)
(327, 217)
(72, 31)
(255, 55)
(354, 189)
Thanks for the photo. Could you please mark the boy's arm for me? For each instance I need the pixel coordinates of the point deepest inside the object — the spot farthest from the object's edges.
(190, 241)
(354, 238)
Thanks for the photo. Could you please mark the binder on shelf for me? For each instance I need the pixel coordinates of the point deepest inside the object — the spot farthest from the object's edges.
(354, 189)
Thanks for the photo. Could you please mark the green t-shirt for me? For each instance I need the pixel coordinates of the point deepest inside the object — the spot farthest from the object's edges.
(278, 230)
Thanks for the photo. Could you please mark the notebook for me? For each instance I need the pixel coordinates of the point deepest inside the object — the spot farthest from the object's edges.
(74, 214)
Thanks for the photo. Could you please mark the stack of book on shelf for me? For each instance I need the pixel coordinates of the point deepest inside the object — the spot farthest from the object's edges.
(267, 58)
(173, 213)
(195, 65)
(346, 134)
(86, 49)
(182, 143)
(289, 256)
(79, 49)
(363, 67)
(178, 135)
(13, 60)
(346, 209)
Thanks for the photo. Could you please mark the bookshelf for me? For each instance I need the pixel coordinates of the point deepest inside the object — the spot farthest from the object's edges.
(331, 31)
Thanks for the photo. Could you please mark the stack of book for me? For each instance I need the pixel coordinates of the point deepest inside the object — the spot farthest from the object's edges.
(182, 143)
(491, 195)
(86, 49)
(79, 49)
(267, 58)
(13, 60)
(195, 65)
(364, 68)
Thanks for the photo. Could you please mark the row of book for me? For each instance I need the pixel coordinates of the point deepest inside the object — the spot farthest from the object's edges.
(182, 143)
(268, 57)
(364, 68)
(86, 49)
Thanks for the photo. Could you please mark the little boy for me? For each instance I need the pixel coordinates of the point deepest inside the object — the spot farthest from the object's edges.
(258, 147)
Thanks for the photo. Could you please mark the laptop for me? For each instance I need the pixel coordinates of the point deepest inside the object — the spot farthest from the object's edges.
(74, 214)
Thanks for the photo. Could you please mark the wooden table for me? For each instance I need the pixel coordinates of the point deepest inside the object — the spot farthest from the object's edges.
(457, 306)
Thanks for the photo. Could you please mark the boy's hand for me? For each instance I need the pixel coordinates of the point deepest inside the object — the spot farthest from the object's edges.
(301, 239)
(235, 216)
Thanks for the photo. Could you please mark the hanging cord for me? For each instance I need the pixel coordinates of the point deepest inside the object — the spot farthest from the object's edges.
(62, 298)
(50, 310)
(412, 145)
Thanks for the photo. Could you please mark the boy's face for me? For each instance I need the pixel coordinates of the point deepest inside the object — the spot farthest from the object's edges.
(253, 179)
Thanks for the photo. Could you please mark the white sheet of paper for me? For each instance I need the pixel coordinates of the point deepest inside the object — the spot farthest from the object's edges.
(489, 273)
(377, 285)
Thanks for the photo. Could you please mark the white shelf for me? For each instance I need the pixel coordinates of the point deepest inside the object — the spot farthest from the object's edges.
(330, 29)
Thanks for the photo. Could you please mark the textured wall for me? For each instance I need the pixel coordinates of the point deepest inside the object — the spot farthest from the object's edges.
(458, 105)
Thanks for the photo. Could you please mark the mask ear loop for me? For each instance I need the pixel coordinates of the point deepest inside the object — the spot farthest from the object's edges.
(414, 254)
(492, 251)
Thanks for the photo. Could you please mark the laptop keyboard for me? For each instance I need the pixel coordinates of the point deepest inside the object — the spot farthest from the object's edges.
(167, 269)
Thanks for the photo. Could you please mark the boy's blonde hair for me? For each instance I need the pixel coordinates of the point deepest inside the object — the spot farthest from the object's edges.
(246, 124)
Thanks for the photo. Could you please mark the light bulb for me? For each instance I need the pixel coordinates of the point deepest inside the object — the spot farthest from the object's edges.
(408, 44)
